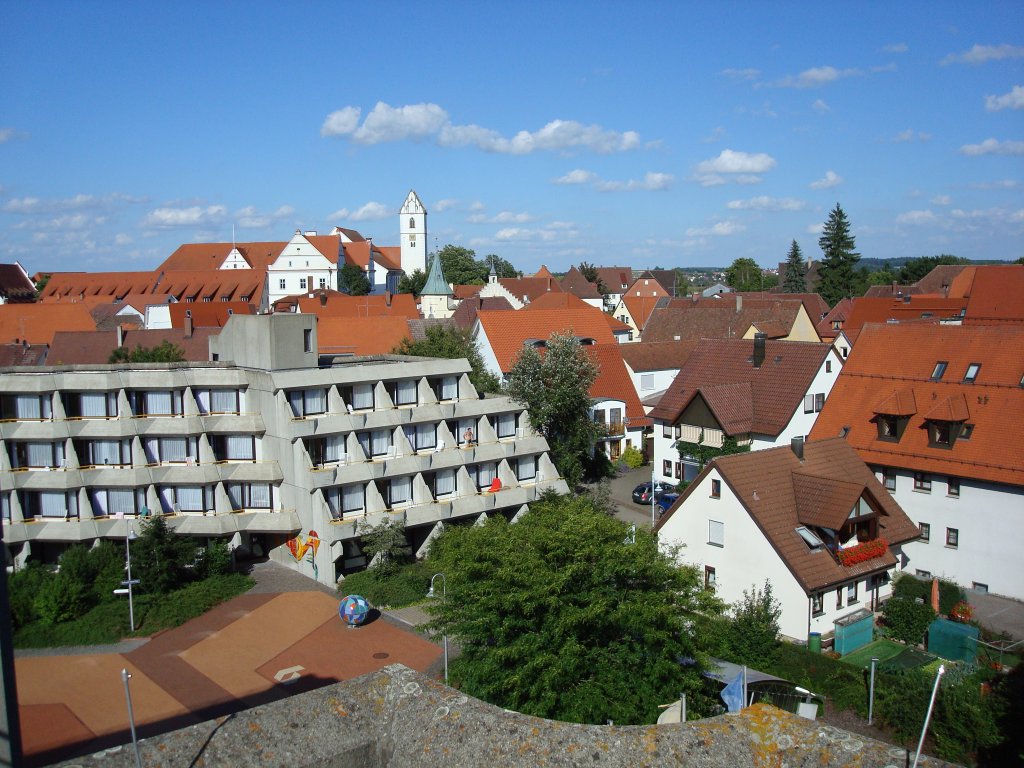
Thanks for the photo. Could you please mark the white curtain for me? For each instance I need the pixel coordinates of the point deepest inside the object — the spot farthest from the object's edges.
(426, 436)
(202, 399)
(106, 452)
(334, 447)
(158, 403)
(527, 468)
(224, 401)
(362, 396)
(295, 401)
(351, 498)
(364, 442)
(235, 495)
(401, 490)
(93, 404)
(240, 447)
(173, 448)
(316, 400)
(53, 503)
(121, 501)
(28, 407)
(189, 498)
(485, 474)
(506, 425)
(444, 482)
(406, 393)
(259, 495)
(40, 454)
(381, 442)
(449, 388)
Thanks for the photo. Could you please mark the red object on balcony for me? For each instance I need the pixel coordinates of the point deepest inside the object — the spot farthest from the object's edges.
(861, 553)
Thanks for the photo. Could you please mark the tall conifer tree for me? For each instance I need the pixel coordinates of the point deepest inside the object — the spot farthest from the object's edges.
(837, 269)
(796, 271)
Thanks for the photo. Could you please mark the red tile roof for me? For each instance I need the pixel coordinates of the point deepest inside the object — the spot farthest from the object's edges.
(95, 347)
(385, 257)
(465, 291)
(646, 356)
(327, 303)
(744, 398)
(509, 331)
(530, 287)
(37, 323)
(15, 284)
(613, 382)
(918, 308)
(71, 286)
(640, 309)
(360, 335)
(214, 285)
(646, 286)
(191, 257)
(782, 493)
(890, 358)
(838, 314)
(465, 314)
(616, 279)
(997, 295)
(208, 314)
(22, 354)
(707, 319)
(559, 300)
(575, 283)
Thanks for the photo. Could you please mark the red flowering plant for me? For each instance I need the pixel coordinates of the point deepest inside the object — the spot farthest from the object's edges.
(860, 553)
(962, 612)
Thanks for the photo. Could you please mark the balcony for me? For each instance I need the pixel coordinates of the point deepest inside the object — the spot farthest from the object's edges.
(861, 553)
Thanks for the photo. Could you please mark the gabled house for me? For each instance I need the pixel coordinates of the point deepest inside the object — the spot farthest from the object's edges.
(616, 281)
(308, 261)
(575, 283)
(653, 365)
(760, 393)
(936, 410)
(811, 519)
(15, 284)
(731, 317)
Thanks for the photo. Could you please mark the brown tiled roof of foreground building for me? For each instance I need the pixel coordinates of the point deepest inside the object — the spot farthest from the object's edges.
(744, 398)
(37, 323)
(781, 493)
(680, 319)
(889, 361)
(508, 332)
(95, 347)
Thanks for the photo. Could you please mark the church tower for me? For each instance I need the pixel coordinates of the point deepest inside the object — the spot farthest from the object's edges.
(436, 296)
(413, 227)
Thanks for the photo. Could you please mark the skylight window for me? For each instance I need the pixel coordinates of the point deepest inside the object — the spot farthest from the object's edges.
(940, 369)
(810, 538)
(972, 373)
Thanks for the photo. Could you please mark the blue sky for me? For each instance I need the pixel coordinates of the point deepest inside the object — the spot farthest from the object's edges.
(644, 133)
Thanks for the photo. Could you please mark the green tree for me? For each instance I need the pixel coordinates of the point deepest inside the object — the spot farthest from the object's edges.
(353, 281)
(744, 275)
(884, 276)
(914, 269)
(461, 267)
(160, 557)
(413, 283)
(166, 352)
(452, 342)
(837, 268)
(683, 283)
(796, 271)
(386, 541)
(753, 638)
(566, 615)
(702, 453)
(590, 274)
(555, 388)
(502, 267)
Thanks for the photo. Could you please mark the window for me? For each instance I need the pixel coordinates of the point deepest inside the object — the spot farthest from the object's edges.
(526, 468)
(666, 468)
(377, 443)
(164, 450)
(888, 427)
(966, 430)
(323, 283)
(91, 405)
(280, 284)
(939, 370)
(346, 500)
(302, 283)
(646, 381)
(233, 447)
(97, 453)
(400, 491)
(447, 388)
(716, 489)
(851, 593)
(940, 434)
(362, 397)
(926, 531)
(444, 483)
(412, 222)
(28, 455)
(922, 574)
(186, 498)
(953, 487)
(115, 502)
(828, 366)
(666, 430)
(166, 402)
(678, 431)
(212, 401)
(922, 482)
(889, 478)
(716, 533)
(972, 373)
(25, 407)
(819, 402)
(817, 604)
(421, 437)
(839, 598)
(506, 425)
(679, 470)
(307, 402)
(808, 403)
(485, 474)
(952, 537)
(307, 340)
(709, 577)
(403, 392)
(249, 495)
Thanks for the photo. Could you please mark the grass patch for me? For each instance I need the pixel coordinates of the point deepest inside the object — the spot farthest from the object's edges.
(404, 586)
(883, 650)
(108, 622)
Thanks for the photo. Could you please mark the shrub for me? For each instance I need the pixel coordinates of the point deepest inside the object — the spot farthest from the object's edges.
(396, 589)
(907, 620)
(22, 587)
(160, 557)
(753, 639)
(632, 457)
(60, 598)
(174, 609)
(909, 586)
(213, 560)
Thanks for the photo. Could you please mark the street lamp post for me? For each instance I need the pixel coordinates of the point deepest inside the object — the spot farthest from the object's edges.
(653, 484)
(128, 583)
(444, 593)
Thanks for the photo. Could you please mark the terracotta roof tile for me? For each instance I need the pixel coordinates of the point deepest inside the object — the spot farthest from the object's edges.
(575, 283)
(328, 303)
(776, 388)
(711, 318)
(899, 402)
(37, 323)
(466, 291)
(214, 285)
(770, 484)
(78, 285)
(837, 314)
(208, 314)
(360, 335)
(530, 287)
(616, 279)
(22, 354)
(465, 314)
(889, 357)
(640, 309)
(997, 295)
(95, 347)
(509, 331)
(202, 256)
(656, 355)
(559, 300)
(953, 408)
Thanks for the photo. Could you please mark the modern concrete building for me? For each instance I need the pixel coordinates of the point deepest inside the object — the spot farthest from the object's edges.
(268, 445)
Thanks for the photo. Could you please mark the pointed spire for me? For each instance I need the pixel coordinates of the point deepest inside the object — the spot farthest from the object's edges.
(436, 285)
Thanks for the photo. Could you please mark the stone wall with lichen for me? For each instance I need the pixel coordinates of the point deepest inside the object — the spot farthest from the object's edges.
(398, 717)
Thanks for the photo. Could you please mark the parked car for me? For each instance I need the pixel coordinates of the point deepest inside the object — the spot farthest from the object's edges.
(665, 501)
(642, 493)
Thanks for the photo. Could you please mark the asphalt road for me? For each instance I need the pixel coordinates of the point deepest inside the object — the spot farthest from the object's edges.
(622, 490)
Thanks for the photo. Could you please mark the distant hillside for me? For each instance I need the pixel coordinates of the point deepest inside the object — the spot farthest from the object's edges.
(874, 265)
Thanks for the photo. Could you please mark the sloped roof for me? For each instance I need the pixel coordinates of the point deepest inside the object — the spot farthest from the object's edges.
(613, 382)
(191, 257)
(543, 272)
(22, 354)
(509, 331)
(640, 309)
(95, 347)
(952, 408)
(645, 356)
(15, 284)
(711, 318)
(771, 484)
(436, 285)
(37, 323)
(904, 356)
(78, 285)
(466, 291)
(465, 314)
(575, 283)
(997, 295)
(360, 335)
(358, 253)
(616, 279)
(208, 314)
(530, 287)
(897, 402)
(919, 308)
(213, 285)
(771, 393)
(559, 300)
(665, 277)
(646, 286)
(838, 313)
(938, 281)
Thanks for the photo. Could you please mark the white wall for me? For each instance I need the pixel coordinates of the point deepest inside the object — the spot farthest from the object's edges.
(800, 423)
(661, 380)
(990, 520)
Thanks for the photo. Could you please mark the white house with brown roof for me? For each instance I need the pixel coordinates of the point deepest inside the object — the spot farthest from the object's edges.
(937, 411)
(810, 519)
(760, 392)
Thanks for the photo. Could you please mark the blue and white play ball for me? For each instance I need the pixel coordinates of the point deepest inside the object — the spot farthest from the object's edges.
(353, 610)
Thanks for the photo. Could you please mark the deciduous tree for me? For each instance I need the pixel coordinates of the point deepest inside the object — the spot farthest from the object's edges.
(452, 343)
(166, 352)
(745, 275)
(838, 267)
(353, 281)
(566, 615)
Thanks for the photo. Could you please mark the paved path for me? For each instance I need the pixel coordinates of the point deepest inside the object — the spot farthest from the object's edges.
(282, 637)
(999, 614)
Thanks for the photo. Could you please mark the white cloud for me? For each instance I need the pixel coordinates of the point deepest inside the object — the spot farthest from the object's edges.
(895, 48)
(910, 135)
(1000, 184)
(122, 239)
(341, 122)
(815, 77)
(916, 217)
(430, 121)
(716, 135)
(993, 147)
(765, 203)
(829, 180)
(250, 218)
(576, 176)
(742, 74)
(942, 200)
(370, 212)
(6, 134)
(815, 229)
(720, 228)
(443, 205)
(740, 167)
(1012, 100)
(821, 107)
(979, 54)
(192, 216)
(544, 234)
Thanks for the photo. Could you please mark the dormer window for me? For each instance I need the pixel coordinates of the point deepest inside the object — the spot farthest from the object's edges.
(941, 434)
(940, 369)
(891, 427)
(972, 373)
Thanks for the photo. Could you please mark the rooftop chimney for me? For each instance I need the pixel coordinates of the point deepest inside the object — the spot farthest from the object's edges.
(797, 444)
(739, 303)
(309, 285)
(323, 298)
(188, 327)
(120, 336)
(759, 345)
